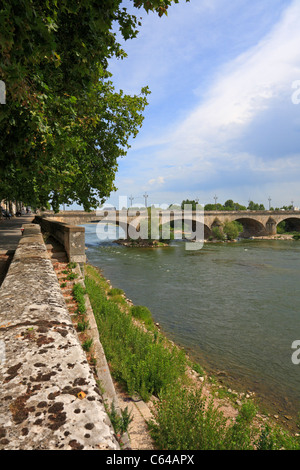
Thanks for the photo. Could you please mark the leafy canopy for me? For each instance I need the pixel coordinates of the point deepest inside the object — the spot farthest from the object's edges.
(64, 126)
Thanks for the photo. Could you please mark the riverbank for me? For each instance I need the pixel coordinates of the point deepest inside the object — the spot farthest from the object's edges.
(229, 403)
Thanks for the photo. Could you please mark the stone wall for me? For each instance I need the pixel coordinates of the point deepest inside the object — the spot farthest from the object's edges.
(49, 398)
(71, 237)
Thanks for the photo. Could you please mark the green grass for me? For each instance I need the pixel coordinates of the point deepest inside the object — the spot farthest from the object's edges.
(115, 291)
(143, 314)
(137, 358)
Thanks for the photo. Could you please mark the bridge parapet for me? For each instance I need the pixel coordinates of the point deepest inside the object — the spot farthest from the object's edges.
(49, 398)
(71, 237)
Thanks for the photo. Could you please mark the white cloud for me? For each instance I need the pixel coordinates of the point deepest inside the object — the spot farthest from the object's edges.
(156, 181)
(245, 87)
(208, 148)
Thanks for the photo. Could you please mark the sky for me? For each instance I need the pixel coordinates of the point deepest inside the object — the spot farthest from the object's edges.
(224, 112)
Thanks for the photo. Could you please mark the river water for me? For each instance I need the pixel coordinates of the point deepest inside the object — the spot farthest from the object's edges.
(235, 307)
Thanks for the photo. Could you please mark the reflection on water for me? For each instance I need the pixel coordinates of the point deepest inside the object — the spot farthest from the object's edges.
(234, 307)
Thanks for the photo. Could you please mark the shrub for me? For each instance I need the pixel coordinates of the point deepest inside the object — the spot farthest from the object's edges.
(186, 420)
(218, 233)
(232, 229)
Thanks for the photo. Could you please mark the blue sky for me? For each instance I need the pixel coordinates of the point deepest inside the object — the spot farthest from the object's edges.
(220, 119)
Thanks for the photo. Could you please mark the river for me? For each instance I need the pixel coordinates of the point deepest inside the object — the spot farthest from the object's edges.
(235, 308)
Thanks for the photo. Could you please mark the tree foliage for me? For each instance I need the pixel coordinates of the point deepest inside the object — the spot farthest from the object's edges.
(64, 126)
(228, 205)
(254, 206)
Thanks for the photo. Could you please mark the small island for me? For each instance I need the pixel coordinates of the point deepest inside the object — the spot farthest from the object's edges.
(143, 243)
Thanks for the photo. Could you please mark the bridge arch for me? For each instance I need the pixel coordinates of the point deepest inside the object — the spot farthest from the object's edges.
(292, 223)
(207, 232)
(251, 227)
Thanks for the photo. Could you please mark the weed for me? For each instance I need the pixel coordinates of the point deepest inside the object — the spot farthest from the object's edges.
(120, 423)
(72, 276)
(78, 294)
(82, 325)
(87, 344)
(186, 420)
(72, 265)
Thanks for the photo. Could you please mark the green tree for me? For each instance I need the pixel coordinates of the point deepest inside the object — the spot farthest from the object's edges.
(213, 207)
(240, 207)
(232, 229)
(187, 202)
(64, 126)
(218, 233)
(229, 205)
(252, 206)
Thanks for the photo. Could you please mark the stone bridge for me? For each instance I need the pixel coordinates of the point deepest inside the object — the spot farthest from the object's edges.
(255, 223)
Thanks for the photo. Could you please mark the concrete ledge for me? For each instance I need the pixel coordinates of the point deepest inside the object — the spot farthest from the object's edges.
(49, 398)
(71, 237)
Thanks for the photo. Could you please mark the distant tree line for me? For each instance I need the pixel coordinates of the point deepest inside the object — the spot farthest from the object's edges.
(230, 205)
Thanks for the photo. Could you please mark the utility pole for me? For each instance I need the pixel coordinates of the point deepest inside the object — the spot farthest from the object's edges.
(131, 199)
(215, 198)
(145, 196)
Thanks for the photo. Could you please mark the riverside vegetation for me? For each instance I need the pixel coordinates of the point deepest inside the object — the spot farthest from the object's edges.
(146, 363)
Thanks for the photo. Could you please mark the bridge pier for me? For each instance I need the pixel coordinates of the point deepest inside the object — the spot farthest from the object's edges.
(271, 227)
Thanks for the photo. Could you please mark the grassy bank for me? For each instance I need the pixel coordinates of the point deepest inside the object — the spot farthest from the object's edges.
(146, 363)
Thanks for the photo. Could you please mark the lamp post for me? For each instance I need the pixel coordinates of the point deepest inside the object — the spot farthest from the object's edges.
(215, 198)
